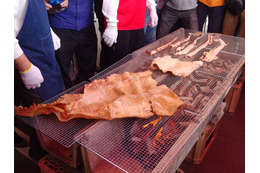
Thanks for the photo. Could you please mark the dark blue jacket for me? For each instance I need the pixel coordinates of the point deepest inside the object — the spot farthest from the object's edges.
(78, 15)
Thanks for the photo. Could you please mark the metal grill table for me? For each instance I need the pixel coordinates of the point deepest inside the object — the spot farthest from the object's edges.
(157, 144)
(114, 142)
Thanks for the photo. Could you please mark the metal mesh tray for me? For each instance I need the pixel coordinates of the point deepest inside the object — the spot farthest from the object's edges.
(110, 139)
(61, 132)
(138, 145)
(197, 90)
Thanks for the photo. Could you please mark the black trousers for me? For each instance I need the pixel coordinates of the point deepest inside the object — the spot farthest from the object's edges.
(84, 44)
(215, 14)
(127, 42)
(169, 17)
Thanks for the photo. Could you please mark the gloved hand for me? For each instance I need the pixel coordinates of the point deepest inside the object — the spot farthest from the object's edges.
(154, 18)
(151, 5)
(110, 34)
(32, 78)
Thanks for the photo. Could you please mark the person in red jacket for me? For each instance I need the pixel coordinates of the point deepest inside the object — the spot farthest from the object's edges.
(124, 28)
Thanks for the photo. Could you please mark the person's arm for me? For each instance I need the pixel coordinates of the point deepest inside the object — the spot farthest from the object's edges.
(109, 10)
(151, 5)
(30, 74)
(22, 63)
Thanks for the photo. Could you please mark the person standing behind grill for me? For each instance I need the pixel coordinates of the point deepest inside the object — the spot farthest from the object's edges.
(150, 32)
(124, 28)
(75, 28)
(37, 75)
(174, 10)
(215, 11)
(234, 20)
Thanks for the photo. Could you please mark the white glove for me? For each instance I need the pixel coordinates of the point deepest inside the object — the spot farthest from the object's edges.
(32, 78)
(110, 34)
(151, 5)
(109, 9)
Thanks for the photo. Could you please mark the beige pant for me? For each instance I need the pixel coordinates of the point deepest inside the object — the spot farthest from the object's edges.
(231, 21)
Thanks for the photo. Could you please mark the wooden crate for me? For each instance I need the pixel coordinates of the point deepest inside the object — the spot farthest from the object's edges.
(49, 164)
(70, 156)
(233, 96)
(207, 137)
(204, 142)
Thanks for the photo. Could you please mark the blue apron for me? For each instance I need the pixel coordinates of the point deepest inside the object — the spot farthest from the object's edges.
(36, 42)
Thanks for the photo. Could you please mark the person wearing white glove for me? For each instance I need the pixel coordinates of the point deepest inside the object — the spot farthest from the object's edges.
(124, 28)
(151, 5)
(37, 75)
(36, 68)
(149, 29)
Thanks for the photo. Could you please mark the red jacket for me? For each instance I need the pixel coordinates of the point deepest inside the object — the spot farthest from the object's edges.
(131, 14)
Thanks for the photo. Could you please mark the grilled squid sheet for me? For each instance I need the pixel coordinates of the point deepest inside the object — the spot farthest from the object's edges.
(117, 96)
(212, 54)
(175, 66)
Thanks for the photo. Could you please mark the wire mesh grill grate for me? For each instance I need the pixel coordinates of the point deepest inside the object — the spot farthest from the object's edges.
(114, 140)
(137, 145)
(61, 132)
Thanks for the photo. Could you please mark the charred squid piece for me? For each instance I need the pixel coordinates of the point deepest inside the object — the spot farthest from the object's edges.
(204, 101)
(175, 84)
(217, 86)
(180, 48)
(209, 67)
(187, 99)
(218, 63)
(154, 51)
(212, 54)
(161, 78)
(205, 44)
(177, 44)
(150, 147)
(194, 90)
(205, 76)
(205, 89)
(194, 79)
(185, 87)
(189, 47)
(197, 99)
(226, 66)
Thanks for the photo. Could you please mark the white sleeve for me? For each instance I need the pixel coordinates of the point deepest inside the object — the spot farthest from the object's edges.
(56, 40)
(17, 49)
(20, 8)
(109, 10)
(150, 4)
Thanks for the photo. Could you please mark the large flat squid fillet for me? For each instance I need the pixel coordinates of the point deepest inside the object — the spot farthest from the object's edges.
(175, 66)
(117, 96)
